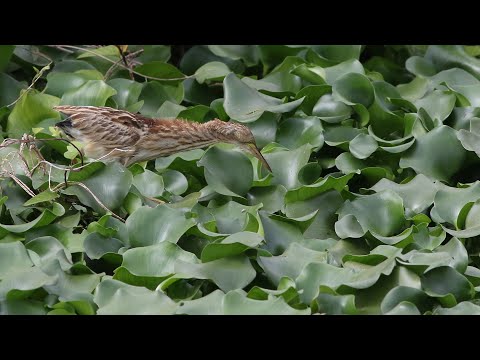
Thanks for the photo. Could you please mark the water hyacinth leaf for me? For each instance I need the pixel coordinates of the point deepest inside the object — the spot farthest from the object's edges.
(235, 303)
(211, 304)
(330, 110)
(14, 257)
(290, 263)
(227, 273)
(295, 132)
(283, 175)
(463, 308)
(450, 201)
(442, 281)
(354, 88)
(437, 154)
(128, 92)
(92, 93)
(214, 70)
(110, 185)
(362, 146)
(271, 197)
(232, 245)
(237, 181)
(155, 260)
(438, 104)
(147, 226)
(245, 104)
(417, 194)
(149, 183)
(31, 109)
(114, 297)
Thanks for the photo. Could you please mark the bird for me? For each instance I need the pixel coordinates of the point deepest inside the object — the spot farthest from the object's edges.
(128, 138)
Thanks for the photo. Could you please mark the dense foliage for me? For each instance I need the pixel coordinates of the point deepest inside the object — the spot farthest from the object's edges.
(373, 206)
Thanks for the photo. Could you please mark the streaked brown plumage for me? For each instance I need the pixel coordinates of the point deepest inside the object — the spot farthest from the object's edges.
(131, 138)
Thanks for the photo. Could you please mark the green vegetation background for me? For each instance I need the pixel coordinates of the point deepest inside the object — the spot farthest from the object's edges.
(372, 207)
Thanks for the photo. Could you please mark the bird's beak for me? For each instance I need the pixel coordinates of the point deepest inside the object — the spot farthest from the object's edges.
(252, 148)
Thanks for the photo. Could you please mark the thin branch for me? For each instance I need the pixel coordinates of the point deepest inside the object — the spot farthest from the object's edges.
(82, 185)
(35, 79)
(123, 66)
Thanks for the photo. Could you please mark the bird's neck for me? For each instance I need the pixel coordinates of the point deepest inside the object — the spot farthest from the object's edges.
(182, 135)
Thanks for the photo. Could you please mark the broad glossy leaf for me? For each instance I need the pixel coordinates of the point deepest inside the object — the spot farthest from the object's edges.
(149, 183)
(232, 245)
(236, 180)
(354, 88)
(13, 257)
(147, 226)
(362, 146)
(211, 304)
(236, 303)
(110, 184)
(291, 262)
(92, 93)
(463, 308)
(155, 260)
(295, 132)
(445, 280)
(381, 213)
(161, 71)
(437, 154)
(417, 194)
(227, 273)
(287, 175)
(116, 298)
(32, 108)
(245, 104)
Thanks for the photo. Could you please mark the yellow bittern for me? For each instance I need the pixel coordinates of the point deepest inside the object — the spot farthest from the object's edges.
(129, 138)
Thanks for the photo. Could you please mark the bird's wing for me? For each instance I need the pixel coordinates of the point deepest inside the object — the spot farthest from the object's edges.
(109, 128)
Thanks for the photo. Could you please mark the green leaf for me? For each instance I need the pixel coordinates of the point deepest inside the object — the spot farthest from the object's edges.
(291, 262)
(283, 175)
(110, 185)
(32, 108)
(162, 71)
(417, 194)
(235, 180)
(9, 89)
(92, 93)
(110, 50)
(6, 52)
(13, 258)
(156, 260)
(147, 226)
(362, 146)
(227, 273)
(127, 92)
(442, 281)
(46, 195)
(464, 308)
(437, 154)
(381, 213)
(213, 71)
(232, 245)
(211, 304)
(437, 104)
(354, 88)
(116, 298)
(330, 110)
(236, 303)
(149, 183)
(245, 104)
(295, 132)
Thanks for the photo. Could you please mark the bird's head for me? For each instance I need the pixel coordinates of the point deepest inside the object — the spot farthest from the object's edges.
(240, 135)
